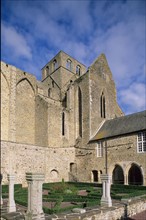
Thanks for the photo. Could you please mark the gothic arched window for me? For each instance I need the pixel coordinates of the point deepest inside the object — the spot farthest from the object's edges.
(80, 111)
(68, 64)
(64, 102)
(78, 70)
(49, 92)
(47, 70)
(55, 64)
(102, 106)
(63, 124)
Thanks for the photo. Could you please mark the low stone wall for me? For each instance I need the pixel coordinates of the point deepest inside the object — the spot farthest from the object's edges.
(118, 211)
(137, 206)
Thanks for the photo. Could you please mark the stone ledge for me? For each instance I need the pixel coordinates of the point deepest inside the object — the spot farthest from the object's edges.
(78, 210)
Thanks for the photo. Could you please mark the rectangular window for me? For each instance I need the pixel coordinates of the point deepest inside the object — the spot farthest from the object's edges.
(100, 149)
(141, 142)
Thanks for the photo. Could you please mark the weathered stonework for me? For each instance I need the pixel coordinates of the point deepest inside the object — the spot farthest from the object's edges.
(47, 125)
(36, 159)
(35, 208)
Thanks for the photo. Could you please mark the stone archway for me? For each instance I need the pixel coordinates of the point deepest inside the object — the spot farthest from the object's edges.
(54, 175)
(135, 176)
(73, 172)
(118, 175)
(94, 175)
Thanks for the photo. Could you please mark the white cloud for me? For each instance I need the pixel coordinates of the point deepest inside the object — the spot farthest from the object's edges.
(15, 41)
(123, 45)
(83, 29)
(134, 97)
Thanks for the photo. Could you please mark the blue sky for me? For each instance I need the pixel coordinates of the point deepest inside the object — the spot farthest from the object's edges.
(34, 31)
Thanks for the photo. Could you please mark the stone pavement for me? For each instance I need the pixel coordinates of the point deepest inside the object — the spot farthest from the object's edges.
(139, 216)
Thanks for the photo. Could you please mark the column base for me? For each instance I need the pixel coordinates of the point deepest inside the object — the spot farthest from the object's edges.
(106, 202)
(11, 208)
(31, 216)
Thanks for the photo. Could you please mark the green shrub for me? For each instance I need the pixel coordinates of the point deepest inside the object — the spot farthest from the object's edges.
(63, 188)
(21, 202)
(5, 188)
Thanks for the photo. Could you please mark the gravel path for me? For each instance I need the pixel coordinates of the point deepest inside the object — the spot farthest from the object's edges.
(140, 216)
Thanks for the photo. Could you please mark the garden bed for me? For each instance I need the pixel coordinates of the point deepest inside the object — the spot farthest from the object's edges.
(63, 197)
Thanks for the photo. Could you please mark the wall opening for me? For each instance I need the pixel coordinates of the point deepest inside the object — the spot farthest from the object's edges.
(55, 64)
(73, 167)
(73, 172)
(78, 70)
(63, 123)
(49, 92)
(80, 111)
(68, 64)
(25, 105)
(47, 70)
(95, 175)
(118, 176)
(54, 175)
(135, 176)
(102, 106)
(64, 101)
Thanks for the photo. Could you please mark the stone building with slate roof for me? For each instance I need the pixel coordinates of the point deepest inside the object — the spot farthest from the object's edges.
(125, 148)
(69, 125)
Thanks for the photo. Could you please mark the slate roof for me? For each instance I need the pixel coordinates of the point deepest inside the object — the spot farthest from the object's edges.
(121, 126)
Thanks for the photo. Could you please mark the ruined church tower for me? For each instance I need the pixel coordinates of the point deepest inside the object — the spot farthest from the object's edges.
(54, 119)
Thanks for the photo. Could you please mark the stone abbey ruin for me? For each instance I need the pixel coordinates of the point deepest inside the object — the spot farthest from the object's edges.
(69, 125)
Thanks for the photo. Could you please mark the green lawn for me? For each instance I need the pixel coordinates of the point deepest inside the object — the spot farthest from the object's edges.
(63, 196)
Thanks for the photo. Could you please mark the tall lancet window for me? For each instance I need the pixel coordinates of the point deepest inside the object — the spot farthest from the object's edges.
(63, 124)
(68, 64)
(55, 64)
(78, 70)
(80, 111)
(102, 106)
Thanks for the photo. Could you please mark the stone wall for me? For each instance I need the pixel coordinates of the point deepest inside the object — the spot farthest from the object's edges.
(34, 114)
(4, 107)
(41, 121)
(25, 113)
(121, 151)
(101, 82)
(21, 158)
(119, 211)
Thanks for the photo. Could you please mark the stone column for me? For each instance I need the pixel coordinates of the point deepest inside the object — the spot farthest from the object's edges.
(34, 210)
(11, 202)
(125, 179)
(106, 184)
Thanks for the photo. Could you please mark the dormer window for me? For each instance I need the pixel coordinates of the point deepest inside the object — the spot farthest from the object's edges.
(68, 64)
(55, 64)
(78, 70)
